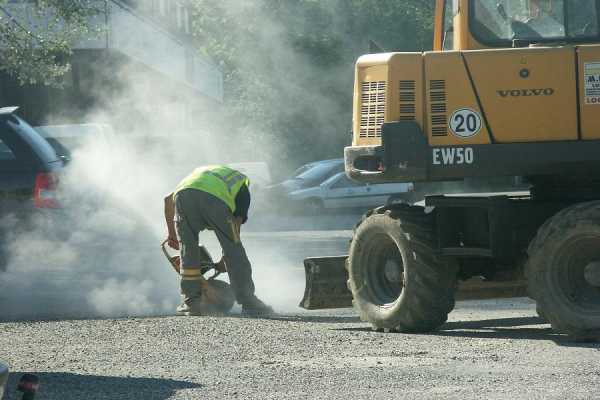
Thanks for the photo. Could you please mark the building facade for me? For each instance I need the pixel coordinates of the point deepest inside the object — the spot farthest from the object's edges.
(141, 67)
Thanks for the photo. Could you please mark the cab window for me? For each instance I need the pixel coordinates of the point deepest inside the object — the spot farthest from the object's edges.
(583, 18)
(448, 31)
(494, 22)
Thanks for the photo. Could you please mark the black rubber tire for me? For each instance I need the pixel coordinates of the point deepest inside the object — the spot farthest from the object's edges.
(424, 295)
(558, 254)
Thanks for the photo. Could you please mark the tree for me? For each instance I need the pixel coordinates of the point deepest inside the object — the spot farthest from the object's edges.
(36, 37)
(288, 66)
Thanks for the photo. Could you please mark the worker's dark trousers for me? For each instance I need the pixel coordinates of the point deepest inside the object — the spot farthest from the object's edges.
(197, 211)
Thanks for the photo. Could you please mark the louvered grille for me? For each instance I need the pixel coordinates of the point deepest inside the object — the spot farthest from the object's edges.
(439, 116)
(372, 110)
(407, 98)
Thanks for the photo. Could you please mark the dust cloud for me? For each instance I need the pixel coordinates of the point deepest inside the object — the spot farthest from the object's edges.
(99, 256)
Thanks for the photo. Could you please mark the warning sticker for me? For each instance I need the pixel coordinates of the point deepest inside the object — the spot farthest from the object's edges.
(592, 82)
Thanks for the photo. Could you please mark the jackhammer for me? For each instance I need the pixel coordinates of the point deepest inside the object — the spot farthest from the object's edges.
(216, 294)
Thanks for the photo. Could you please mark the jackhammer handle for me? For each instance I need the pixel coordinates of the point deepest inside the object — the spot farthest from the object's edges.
(176, 260)
(173, 260)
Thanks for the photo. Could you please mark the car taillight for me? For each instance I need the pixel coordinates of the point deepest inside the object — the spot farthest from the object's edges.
(44, 192)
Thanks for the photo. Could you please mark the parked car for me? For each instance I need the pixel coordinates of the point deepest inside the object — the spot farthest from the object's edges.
(65, 139)
(3, 378)
(312, 174)
(309, 175)
(340, 192)
(29, 173)
(29, 166)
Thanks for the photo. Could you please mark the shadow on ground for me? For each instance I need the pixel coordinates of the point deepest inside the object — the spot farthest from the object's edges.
(67, 386)
(316, 319)
(528, 328)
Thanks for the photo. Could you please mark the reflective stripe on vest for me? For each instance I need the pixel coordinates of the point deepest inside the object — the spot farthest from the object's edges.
(220, 181)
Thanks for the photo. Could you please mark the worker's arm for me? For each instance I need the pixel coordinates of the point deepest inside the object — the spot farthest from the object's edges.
(242, 205)
(170, 219)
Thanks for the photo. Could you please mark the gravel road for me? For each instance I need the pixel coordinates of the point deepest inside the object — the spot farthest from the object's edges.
(488, 349)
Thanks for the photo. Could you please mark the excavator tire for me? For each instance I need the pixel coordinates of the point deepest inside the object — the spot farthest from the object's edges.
(397, 282)
(565, 245)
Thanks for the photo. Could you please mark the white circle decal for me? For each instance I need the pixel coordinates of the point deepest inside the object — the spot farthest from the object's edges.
(465, 122)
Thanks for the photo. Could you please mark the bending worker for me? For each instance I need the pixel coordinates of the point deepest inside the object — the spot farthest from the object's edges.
(215, 198)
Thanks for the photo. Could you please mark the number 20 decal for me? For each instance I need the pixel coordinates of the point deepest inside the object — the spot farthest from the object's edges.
(465, 123)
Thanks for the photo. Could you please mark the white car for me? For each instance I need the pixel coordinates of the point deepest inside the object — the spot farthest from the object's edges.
(308, 175)
(339, 191)
(67, 138)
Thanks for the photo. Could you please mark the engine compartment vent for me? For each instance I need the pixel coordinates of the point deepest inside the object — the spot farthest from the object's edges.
(438, 108)
(372, 109)
(407, 98)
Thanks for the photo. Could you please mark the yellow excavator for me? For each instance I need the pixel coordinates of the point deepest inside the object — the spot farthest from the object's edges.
(511, 88)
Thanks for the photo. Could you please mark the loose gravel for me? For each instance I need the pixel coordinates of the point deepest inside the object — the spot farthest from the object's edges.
(487, 350)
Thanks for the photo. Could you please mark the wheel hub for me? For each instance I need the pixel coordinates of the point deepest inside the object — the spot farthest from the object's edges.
(592, 273)
(392, 272)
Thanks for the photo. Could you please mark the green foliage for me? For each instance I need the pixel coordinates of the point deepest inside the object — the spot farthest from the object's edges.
(36, 38)
(288, 65)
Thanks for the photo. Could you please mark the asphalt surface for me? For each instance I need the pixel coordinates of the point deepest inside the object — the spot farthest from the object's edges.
(495, 349)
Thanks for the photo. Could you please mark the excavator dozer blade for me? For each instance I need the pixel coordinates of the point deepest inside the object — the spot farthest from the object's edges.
(326, 286)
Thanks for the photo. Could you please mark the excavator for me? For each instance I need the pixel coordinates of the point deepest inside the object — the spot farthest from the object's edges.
(510, 89)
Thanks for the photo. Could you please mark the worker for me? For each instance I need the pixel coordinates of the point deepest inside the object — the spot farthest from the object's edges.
(215, 198)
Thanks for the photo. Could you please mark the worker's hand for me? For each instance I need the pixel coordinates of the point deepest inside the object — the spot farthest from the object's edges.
(173, 242)
(221, 266)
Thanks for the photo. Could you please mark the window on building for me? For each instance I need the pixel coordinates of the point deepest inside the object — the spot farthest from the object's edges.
(186, 21)
(189, 66)
(179, 17)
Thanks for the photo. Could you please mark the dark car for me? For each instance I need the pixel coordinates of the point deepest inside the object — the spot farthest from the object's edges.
(29, 174)
(3, 377)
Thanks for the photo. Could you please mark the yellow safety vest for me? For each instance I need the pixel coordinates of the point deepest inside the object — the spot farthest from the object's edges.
(220, 181)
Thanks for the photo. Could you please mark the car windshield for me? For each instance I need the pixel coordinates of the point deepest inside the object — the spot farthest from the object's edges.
(302, 169)
(319, 172)
(534, 20)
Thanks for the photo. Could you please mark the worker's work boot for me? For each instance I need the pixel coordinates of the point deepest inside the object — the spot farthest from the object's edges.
(192, 303)
(254, 307)
(191, 307)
